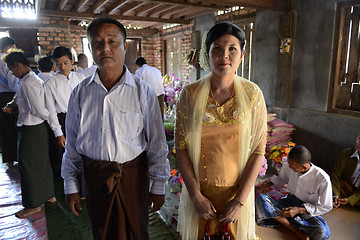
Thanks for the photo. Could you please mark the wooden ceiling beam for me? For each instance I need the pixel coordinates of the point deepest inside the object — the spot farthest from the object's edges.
(128, 7)
(198, 4)
(189, 12)
(145, 7)
(115, 6)
(81, 16)
(174, 11)
(274, 5)
(62, 4)
(80, 4)
(160, 9)
(98, 5)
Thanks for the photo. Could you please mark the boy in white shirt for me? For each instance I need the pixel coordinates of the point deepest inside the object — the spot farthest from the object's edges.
(46, 68)
(57, 94)
(310, 195)
(36, 177)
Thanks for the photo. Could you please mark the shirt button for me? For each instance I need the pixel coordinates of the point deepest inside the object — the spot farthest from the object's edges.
(204, 166)
(202, 145)
(203, 155)
(205, 179)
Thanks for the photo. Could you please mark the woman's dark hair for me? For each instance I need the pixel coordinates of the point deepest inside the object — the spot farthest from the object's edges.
(100, 21)
(60, 52)
(222, 28)
(299, 154)
(45, 64)
(16, 57)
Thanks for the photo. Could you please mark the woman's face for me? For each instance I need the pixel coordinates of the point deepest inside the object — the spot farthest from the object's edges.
(225, 55)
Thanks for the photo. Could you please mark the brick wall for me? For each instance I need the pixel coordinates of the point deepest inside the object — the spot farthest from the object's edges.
(55, 31)
(151, 50)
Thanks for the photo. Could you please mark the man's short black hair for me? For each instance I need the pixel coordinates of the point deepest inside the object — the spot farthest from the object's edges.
(140, 61)
(100, 21)
(16, 57)
(60, 52)
(6, 41)
(300, 155)
(46, 64)
(81, 56)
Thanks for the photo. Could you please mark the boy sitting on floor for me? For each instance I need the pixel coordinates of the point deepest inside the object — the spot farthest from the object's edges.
(309, 197)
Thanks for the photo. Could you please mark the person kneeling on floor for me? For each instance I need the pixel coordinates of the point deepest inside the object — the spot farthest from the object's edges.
(310, 195)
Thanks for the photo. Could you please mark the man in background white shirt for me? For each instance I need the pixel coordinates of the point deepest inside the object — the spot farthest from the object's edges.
(9, 85)
(83, 66)
(46, 68)
(114, 128)
(153, 77)
(310, 196)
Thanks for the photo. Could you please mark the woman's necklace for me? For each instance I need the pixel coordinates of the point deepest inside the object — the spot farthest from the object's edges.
(216, 102)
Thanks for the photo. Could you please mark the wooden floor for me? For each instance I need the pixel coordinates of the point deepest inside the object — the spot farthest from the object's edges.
(55, 220)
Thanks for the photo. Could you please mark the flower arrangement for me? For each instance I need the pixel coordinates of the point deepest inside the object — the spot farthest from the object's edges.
(279, 155)
(176, 182)
(172, 88)
(263, 168)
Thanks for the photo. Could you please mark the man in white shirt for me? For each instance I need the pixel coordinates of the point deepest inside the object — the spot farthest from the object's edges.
(309, 197)
(46, 68)
(9, 85)
(83, 66)
(36, 177)
(57, 93)
(114, 128)
(153, 77)
(345, 177)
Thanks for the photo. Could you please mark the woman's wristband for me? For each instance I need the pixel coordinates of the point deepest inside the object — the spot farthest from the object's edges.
(239, 202)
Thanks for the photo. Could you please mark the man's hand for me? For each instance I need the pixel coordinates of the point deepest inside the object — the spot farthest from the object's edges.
(61, 140)
(74, 203)
(292, 211)
(156, 200)
(204, 207)
(343, 201)
(336, 202)
(230, 212)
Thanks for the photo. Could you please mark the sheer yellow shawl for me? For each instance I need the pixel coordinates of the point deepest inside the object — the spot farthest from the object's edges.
(252, 115)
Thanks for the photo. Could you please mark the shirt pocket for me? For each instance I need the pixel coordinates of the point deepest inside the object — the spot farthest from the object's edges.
(128, 124)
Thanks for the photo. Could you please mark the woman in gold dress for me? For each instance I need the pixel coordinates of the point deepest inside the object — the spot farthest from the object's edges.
(220, 139)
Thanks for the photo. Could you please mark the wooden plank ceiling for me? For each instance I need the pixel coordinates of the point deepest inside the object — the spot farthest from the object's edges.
(147, 14)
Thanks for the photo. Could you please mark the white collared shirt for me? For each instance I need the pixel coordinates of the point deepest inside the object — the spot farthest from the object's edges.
(115, 125)
(356, 174)
(312, 187)
(87, 72)
(12, 83)
(58, 89)
(152, 76)
(45, 75)
(31, 101)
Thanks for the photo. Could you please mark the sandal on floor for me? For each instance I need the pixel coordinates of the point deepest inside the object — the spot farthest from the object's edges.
(26, 212)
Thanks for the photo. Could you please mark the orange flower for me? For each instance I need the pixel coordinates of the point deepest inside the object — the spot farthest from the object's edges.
(291, 144)
(173, 173)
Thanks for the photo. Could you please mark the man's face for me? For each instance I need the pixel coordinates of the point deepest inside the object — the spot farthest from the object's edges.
(295, 166)
(64, 65)
(15, 70)
(108, 47)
